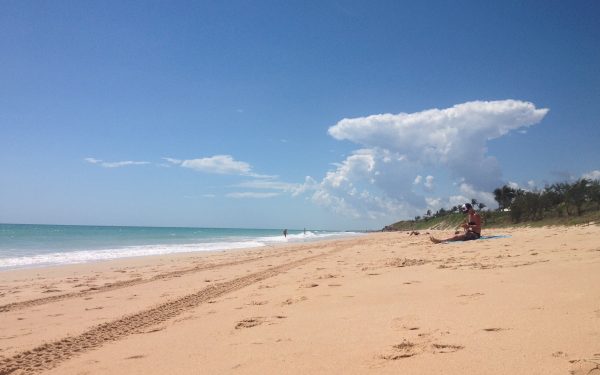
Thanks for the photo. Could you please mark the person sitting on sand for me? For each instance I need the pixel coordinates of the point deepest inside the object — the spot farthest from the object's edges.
(472, 226)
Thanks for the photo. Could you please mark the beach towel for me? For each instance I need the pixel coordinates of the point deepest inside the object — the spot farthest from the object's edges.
(493, 237)
(481, 238)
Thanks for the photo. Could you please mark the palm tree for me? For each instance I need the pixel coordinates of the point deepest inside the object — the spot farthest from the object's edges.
(560, 189)
(504, 196)
(577, 193)
(594, 193)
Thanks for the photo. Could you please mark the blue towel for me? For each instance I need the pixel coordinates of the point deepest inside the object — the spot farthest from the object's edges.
(494, 237)
(481, 238)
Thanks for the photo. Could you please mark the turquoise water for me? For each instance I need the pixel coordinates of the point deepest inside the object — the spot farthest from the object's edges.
(30, 245)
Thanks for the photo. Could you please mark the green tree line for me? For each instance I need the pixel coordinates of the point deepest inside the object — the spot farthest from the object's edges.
(557, 200)
(444, 212)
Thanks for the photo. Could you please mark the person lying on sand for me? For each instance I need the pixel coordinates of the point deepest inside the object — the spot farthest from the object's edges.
(472, 226)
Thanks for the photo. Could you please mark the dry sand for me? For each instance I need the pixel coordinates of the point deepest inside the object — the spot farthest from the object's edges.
(382, 303)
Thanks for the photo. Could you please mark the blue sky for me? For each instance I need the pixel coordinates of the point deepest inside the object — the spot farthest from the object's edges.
(317, 114)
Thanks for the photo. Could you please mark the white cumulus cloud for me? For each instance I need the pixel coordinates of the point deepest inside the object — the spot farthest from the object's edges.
(379, 178)
(592, 175)
(453, 137)
(369, 183)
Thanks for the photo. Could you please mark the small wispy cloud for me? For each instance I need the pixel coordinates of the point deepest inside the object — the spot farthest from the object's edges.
(251, 194)
(173, 161)
(429, 183)
(118, 164)
(218, 164)
(115, 164)
(269, 184)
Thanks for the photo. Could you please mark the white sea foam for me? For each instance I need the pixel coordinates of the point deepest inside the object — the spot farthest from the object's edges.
(84, 256)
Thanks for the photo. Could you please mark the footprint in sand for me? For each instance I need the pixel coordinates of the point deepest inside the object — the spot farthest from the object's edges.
(250, 322)
(405, 262)
(446, 348)
(138, 356)
(328, 276)
(290, 301)
(405, 349)
(408, 349)
(495, 329)
(424, 342)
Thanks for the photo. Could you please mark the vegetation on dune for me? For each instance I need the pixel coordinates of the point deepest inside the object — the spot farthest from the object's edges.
(557, 204)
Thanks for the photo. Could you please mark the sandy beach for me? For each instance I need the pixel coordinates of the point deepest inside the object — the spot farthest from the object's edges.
(526, 303)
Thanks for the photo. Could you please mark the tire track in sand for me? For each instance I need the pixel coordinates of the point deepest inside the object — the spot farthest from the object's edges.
(127, 283)
(49, 355)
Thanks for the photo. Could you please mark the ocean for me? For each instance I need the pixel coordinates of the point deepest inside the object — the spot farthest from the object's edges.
(32, 245)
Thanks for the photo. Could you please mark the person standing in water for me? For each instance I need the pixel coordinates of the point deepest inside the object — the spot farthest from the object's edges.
(472, 226)
(285, 233)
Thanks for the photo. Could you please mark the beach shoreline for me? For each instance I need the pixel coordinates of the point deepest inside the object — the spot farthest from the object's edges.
(35, 245)
(381, 303)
